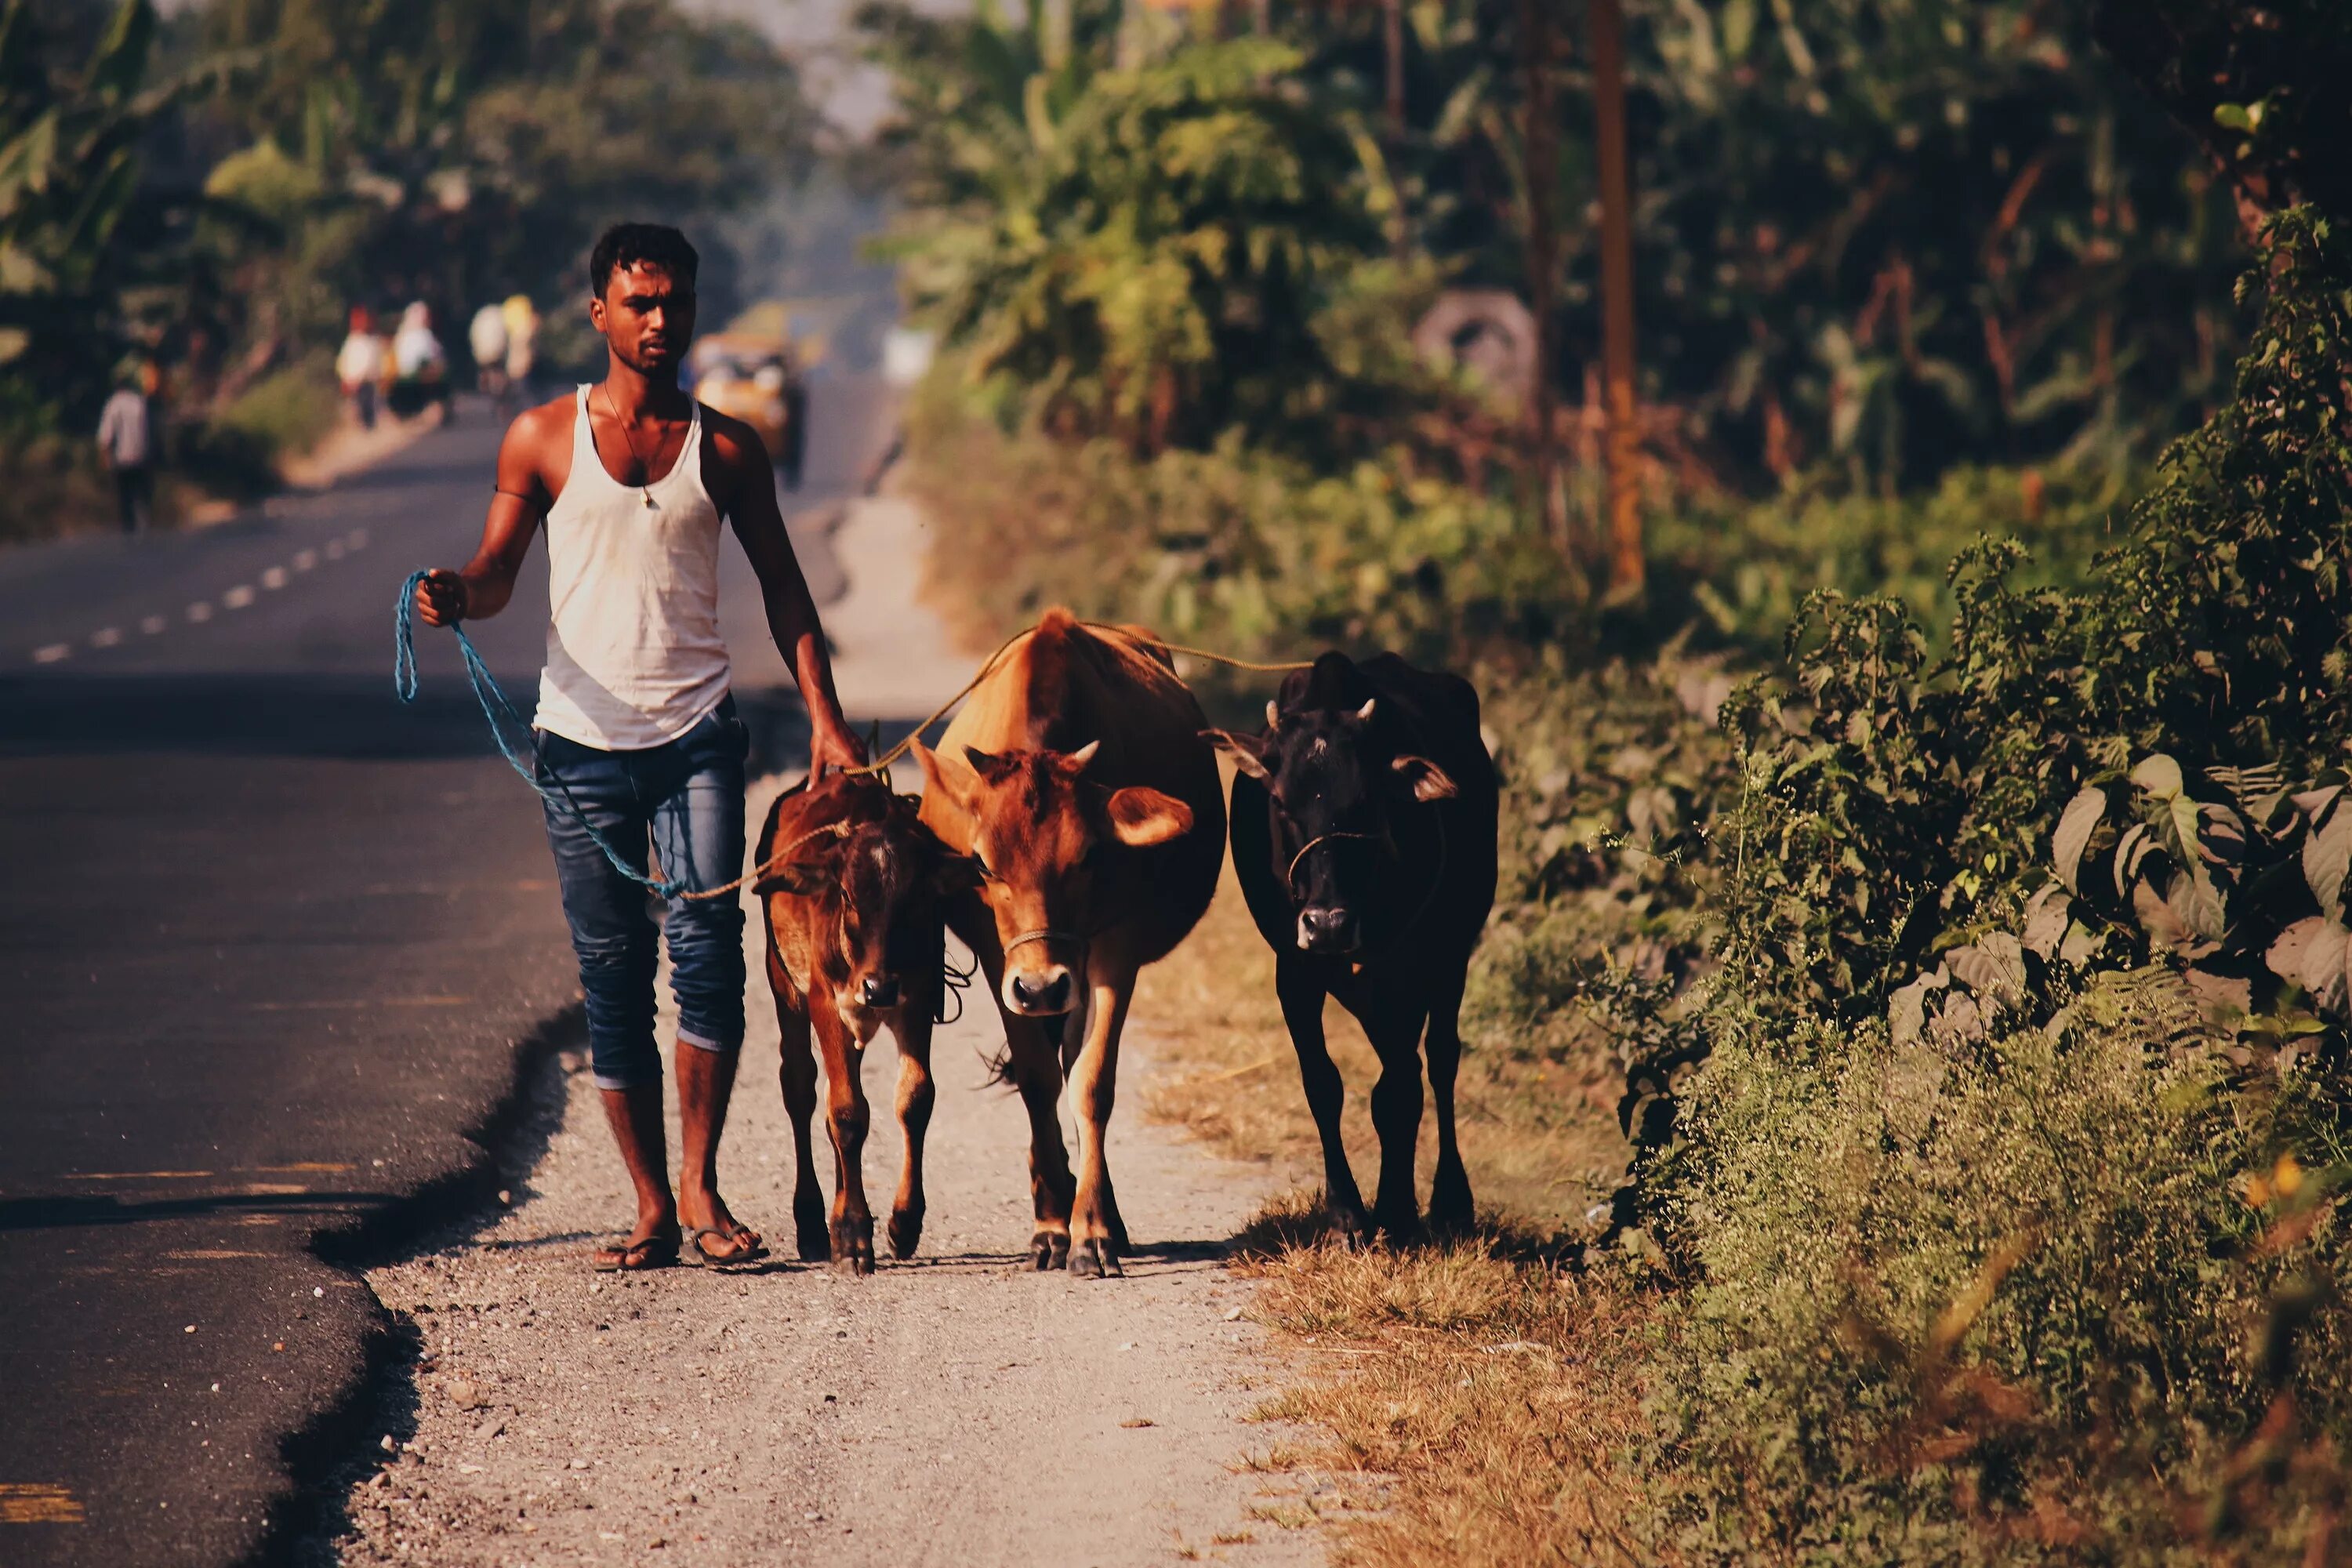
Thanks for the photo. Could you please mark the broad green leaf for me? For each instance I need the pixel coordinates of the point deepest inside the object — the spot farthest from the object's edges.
(2159, 775)
(2326, 852)
(2075, 826)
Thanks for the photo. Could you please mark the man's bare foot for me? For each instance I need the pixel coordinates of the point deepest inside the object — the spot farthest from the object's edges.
(649, 1247)
(715, 1235)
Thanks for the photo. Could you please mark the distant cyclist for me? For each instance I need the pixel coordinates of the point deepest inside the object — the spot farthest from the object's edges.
(487, 336)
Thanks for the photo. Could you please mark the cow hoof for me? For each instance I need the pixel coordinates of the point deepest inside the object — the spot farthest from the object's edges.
(1094, 1260)
(1348, 1229)
(811, 1232)
(1401, 1229)
(853, 1249)
(906, 1231)
(1051, 1248)
(1451, 1217)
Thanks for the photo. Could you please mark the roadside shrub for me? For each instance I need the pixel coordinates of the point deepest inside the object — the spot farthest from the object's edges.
(1612, 779)
(1897, 802)
(1236, 547)
(1748, 572)
(2055, 1296)
(2005, 1209)
(287, 412)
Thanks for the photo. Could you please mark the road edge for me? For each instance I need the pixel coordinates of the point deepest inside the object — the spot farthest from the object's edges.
(317, 1455)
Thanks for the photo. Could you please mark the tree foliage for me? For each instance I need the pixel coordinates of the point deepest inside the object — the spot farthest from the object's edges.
(78, 233)
(1147, 250)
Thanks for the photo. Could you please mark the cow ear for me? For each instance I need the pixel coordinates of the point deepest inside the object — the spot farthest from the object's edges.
(800, 878)
(987, 764)
(944, 776)
(955, 874)
(1429, 781)
(1242, 749)
(1141, 817)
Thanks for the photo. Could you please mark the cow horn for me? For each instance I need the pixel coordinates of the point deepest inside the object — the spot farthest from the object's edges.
(1085, 753)
(1364, 714)
(1273, 714)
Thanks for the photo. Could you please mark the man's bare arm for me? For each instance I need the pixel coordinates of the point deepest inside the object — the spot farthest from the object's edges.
(487, 582)
(749, 498)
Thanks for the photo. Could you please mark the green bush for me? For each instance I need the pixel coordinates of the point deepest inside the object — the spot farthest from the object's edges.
(1746, 572)
(287, 412)
(2003, 1211)
(2056, 1297)
(1249, 552)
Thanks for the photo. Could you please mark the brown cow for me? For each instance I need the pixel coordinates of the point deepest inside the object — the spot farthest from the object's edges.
(1077, 779)
(854, 943)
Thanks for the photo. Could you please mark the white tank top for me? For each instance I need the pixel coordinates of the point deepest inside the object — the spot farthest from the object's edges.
(634, 654)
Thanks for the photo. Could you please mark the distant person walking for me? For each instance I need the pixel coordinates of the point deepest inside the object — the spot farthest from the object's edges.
(522, 341)
(487, 336)
(126, 445)
(637, 727)
(419, 367)
(360, 366)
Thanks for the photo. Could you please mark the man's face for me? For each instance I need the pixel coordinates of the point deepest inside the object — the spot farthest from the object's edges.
(646, 316)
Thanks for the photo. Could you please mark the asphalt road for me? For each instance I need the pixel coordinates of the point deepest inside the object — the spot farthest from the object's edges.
(273, 952)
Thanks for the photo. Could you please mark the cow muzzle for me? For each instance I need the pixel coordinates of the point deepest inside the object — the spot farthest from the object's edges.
(1046, 992)
(1329, 929)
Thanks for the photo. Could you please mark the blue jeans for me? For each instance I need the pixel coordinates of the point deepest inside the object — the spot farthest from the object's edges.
(687, 798)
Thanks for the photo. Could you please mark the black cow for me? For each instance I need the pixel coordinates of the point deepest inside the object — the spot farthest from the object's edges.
(1363, 834)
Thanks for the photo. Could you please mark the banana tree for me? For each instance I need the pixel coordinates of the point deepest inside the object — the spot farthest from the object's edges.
(69, 179)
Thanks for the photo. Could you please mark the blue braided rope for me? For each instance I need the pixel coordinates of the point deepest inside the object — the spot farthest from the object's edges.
(494, 703)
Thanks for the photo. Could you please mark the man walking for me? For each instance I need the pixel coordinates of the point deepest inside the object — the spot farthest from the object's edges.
(360, 366)
(635, 724)
(126, 445)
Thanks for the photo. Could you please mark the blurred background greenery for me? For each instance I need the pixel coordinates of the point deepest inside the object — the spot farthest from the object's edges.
(212, 191)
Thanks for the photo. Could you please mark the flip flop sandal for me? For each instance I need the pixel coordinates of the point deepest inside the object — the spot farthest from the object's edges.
(747, 1241)
(636, 1256)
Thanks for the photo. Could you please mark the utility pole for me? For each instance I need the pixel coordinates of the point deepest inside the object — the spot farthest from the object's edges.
(1540, 159)
(1392, 37)
(1627, 566)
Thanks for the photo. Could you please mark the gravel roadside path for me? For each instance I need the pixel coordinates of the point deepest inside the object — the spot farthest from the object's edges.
(957, 1409)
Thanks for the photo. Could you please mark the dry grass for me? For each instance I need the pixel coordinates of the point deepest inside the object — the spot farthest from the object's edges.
(1491, 1393)
(1494, 1393)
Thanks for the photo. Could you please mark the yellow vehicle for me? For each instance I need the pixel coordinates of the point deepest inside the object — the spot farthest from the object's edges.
(756, 378)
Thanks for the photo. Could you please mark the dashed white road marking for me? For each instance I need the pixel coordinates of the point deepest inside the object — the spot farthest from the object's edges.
(236, 598)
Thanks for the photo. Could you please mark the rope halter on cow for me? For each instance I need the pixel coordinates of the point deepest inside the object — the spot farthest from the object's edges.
(1290, 876)
(1044, 933)
(1436, 879)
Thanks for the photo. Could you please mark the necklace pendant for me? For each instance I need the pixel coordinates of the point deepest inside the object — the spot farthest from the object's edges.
(649, 499)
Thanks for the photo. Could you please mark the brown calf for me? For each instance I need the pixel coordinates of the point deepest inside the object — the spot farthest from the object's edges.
(1077, 779)
(855, 939)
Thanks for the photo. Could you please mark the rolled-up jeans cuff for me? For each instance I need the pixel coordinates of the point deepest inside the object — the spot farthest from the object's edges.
(603, 1082)
(702, 1042)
